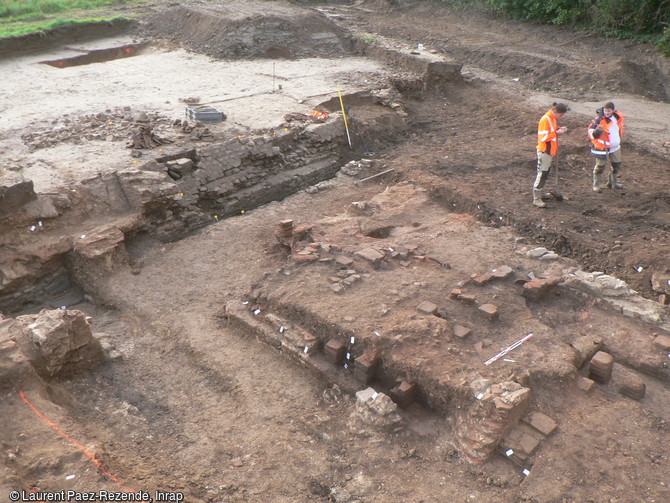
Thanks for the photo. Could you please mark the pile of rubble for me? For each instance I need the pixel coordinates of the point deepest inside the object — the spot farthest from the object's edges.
(51, 343)
(110, 125)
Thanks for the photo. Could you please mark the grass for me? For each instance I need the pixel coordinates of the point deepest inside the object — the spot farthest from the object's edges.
(18, 17)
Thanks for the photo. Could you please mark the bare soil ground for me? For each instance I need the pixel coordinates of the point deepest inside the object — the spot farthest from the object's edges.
(192, 403)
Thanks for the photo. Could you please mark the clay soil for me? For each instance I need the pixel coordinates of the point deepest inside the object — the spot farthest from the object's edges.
(189, 403)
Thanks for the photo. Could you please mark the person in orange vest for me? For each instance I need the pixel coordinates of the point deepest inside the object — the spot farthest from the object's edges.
(605, 132)
(547, 147)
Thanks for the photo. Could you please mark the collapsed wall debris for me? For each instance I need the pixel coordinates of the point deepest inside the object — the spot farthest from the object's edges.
(54, 343)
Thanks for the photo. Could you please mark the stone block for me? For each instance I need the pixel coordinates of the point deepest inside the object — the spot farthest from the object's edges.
(343, 260)
(427, 307)
(371, 255)
(461, 332)
(541, 422)
(662, 342)
(15, 192)
(334, 351)
(489, 311)
(501, 272)
(528, 443)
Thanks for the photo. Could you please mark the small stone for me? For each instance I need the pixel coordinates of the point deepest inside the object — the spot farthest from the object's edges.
(468, 299)
(536, 252)
(584, 383)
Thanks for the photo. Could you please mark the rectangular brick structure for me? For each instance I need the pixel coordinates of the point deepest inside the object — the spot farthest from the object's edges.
(334, 351)
(600, 368)
(403, 393)
(365, 367)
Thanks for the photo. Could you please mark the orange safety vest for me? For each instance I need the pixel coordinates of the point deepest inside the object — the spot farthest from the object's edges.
(547, 139)
(602, 143)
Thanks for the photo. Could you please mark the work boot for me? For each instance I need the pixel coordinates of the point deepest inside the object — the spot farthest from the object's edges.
(597, 181)
(612, 182)
(537, 198)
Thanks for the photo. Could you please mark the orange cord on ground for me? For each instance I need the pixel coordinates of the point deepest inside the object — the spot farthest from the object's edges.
(77, 444)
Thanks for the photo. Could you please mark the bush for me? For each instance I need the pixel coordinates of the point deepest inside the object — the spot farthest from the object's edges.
(664, 43)
(647, 20)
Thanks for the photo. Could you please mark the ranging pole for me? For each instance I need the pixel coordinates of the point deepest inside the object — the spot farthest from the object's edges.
(344, 114)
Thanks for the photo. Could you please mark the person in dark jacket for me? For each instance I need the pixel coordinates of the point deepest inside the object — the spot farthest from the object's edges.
(605, 132)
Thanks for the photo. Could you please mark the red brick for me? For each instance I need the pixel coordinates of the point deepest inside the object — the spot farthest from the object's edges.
(365, 366)
(403, 393)
(468, 299)
(537, 288)
(455, 293)
(335, 351)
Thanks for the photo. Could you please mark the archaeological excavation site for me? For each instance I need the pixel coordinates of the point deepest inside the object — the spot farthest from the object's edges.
(271, 252)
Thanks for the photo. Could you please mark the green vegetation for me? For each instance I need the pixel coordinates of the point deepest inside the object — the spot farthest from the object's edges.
(18, 17)
(647, 20)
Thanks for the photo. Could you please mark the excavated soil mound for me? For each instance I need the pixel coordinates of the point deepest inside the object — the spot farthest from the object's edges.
(250, 30)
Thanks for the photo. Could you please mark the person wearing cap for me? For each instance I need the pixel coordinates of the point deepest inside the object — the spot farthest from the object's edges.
(605, 132)
(547, 147)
